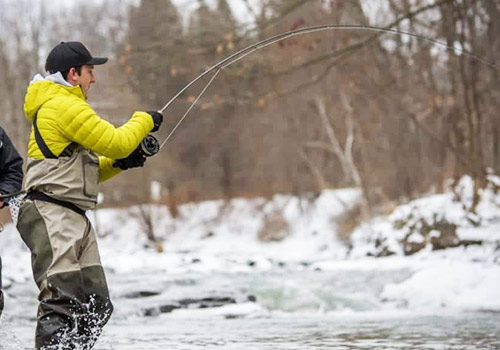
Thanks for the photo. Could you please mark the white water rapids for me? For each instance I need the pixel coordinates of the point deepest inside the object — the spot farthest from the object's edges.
(284, 307)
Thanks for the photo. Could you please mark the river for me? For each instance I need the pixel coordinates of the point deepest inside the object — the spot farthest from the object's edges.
(284, 306)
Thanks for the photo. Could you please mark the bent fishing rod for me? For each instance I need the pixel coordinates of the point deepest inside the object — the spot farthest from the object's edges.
(150, 145)
(232, 59)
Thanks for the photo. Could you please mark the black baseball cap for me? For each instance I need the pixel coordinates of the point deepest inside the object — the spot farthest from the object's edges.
(70, 54)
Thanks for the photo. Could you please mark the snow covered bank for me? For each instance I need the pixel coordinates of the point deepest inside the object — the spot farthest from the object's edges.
(434, 222)
(231, 230)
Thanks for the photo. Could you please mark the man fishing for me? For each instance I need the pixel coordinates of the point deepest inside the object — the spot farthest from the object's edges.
(70, 151)
(11, 178)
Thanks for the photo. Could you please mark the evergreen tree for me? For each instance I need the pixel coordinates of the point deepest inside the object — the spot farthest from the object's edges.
(226, 18)
(201, 26)
(155, 50)
(212, 29)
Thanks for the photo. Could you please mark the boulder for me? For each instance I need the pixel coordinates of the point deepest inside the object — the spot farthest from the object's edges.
(440, 234)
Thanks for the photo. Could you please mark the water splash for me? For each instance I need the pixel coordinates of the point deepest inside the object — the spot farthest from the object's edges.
(85, 328)
(14, 205)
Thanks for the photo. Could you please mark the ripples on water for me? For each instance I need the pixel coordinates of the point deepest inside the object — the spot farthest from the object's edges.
(305, 311)
(465, 332)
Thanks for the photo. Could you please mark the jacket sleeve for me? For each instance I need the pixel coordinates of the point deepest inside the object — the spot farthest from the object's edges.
(82, 125)
(106, 169)
(11, 165)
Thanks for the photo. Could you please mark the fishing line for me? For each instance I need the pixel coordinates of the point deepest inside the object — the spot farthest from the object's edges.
(191, 107)
(277, 38)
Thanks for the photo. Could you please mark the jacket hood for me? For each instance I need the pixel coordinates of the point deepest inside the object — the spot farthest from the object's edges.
(43, 89)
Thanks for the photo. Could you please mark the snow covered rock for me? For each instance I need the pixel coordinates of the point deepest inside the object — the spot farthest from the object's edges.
(440, 235)
(436, 222)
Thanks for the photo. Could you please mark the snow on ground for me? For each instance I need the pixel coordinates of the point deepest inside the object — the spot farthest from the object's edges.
(219, 240)
(218, 229)
(450, 284)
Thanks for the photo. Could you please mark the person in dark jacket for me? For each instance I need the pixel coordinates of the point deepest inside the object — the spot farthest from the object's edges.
(11, 178)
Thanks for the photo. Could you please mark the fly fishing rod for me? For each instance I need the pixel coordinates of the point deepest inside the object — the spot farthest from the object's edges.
(230, 60)
(151, 146)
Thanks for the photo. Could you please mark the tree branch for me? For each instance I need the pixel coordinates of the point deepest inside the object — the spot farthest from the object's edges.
(355, 47)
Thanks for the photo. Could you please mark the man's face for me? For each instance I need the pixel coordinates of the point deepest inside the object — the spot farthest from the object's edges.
(85, 78)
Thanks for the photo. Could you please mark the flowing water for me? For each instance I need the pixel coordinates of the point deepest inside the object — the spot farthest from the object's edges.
(280, 307)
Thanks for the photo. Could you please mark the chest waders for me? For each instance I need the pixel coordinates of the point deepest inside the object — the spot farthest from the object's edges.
(74, 298)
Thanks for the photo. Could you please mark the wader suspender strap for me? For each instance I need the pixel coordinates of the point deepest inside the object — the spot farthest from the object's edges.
(68, 151)
(41, 143)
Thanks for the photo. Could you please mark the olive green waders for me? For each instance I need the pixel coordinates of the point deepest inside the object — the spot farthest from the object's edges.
(74, 299)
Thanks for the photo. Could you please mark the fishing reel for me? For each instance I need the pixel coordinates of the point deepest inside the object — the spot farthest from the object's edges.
(148, 147)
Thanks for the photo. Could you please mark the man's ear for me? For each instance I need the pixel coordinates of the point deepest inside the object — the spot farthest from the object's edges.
(72, 74)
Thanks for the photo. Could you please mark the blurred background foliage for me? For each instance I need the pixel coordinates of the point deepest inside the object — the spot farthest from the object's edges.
(392, 115)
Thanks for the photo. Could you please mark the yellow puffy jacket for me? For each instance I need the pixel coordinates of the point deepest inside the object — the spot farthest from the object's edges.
(63, 117)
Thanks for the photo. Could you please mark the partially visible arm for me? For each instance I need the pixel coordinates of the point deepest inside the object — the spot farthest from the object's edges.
(106, 169)
(11, 166)
(82, 125)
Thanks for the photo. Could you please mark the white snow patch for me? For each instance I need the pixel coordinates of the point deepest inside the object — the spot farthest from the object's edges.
(449, 284)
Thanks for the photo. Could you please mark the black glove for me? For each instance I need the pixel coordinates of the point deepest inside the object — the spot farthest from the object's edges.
(132, 161)
(157, 120)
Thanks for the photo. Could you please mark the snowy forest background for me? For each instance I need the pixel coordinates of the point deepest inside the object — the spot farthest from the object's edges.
(392, 115)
